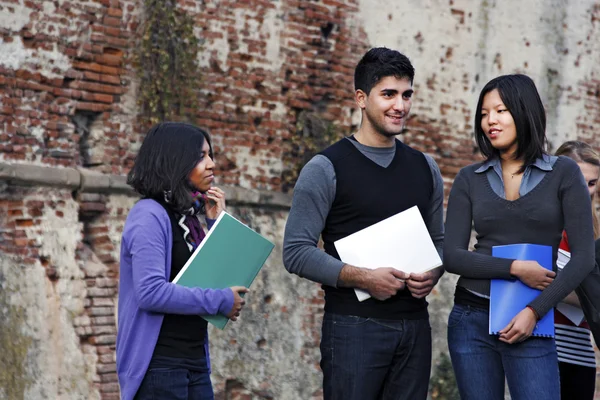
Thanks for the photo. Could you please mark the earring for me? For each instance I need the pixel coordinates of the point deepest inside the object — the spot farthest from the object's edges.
(168, 195)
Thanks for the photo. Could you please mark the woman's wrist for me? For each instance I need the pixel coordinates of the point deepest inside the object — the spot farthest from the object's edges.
(535, 314)
(515, 268)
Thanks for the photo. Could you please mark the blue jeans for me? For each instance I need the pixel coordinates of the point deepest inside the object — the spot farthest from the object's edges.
(368, 359)
(481, 361)
(175, 384)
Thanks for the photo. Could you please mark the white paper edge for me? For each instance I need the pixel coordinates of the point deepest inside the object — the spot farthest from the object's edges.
(193, 256)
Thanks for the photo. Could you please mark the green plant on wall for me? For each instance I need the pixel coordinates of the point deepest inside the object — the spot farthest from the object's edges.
(313, 134)
(165, 62)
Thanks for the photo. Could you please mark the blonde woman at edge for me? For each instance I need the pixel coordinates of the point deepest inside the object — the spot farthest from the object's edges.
(576, 358)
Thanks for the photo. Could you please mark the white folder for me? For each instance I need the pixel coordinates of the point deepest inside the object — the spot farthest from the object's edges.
(401, 241)
(575, 314)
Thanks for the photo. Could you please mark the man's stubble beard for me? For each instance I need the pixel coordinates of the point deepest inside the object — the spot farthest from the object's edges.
(380, 130)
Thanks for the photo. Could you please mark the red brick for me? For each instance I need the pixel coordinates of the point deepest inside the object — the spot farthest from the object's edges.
(110, 396)
(92, 76)
(115, 12)
(95, 107)
(110, 31)
(97, 87)
(91, 66)
(102, 311)
(111, 21)
(104, 329)
(108, 377)
(115, 80)
(21, 242)
(97, 97)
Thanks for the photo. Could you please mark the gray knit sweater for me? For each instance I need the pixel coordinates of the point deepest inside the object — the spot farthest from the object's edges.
(560, 201)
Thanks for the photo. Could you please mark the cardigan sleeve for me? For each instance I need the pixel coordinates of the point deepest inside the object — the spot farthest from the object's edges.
(146, 240)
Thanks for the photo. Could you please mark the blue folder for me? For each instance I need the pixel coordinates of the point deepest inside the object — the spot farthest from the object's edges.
(509, 297)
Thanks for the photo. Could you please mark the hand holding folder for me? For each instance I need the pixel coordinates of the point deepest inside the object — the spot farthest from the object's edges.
(510, 297)
(401, 241)
(231, 254)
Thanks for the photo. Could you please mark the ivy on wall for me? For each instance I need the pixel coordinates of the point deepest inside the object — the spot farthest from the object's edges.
(313, 134)
(165, 62)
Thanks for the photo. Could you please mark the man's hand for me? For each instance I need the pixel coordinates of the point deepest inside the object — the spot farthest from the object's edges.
(384, 283)
(420, 285)
(519, 328)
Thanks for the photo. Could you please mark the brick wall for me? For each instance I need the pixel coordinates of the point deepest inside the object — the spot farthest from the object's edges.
(68, 99)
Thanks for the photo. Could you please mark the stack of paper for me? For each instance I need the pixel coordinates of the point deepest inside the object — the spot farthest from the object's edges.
(401, 241)
(575, 314)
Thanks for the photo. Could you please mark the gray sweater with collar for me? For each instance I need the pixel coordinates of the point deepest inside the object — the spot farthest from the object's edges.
(560, 201)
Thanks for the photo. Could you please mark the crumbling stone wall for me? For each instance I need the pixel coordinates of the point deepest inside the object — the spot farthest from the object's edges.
(69, 133)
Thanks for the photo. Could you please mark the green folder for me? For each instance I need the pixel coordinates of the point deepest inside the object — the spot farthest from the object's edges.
(231, 254)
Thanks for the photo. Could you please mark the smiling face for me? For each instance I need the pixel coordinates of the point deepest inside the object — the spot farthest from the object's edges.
(201, 177)
(498, 124)
(386, 107)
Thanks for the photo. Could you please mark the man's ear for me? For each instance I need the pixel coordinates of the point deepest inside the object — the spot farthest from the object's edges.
(360, 97)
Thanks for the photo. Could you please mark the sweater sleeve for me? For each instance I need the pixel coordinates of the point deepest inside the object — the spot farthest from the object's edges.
(147, 245)
(457, 257)
(313, 196)
(435, 218)
(577, 212)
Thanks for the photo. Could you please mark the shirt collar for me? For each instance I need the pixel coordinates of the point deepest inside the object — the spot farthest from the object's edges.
(544, 163)
(491, 163)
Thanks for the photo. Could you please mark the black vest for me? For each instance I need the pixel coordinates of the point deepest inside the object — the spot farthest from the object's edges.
(367, 193)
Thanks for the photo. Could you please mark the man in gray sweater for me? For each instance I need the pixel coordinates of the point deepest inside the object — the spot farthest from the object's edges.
(379, 348)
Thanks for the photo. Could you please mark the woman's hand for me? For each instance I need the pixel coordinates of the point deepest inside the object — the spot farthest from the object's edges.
(214, 202)
(532, 274)
(238, 302)
(519, 328)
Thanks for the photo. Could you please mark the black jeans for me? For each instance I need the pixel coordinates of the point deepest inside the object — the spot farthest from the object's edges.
(576, 381)
(372, 359)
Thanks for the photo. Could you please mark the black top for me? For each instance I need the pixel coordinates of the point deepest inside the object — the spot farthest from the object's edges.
(367, 193)
(181, 336)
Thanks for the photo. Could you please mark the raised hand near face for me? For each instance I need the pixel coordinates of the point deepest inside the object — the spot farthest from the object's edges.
(214, 202)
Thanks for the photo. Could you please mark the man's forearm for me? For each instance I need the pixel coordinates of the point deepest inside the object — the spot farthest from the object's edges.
(354, 277)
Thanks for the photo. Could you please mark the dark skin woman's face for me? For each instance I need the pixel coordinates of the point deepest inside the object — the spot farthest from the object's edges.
(202, 176)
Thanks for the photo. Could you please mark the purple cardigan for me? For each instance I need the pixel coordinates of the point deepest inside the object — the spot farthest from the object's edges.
(145, 293)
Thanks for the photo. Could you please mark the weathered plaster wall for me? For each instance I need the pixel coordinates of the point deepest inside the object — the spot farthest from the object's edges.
(458, 46)
(68, 99)
(42, 296)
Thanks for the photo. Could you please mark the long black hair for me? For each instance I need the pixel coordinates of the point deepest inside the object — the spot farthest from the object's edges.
(169, 153)
(521, 98)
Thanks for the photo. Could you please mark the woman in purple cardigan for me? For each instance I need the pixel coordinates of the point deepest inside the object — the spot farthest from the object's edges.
(162, 342)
